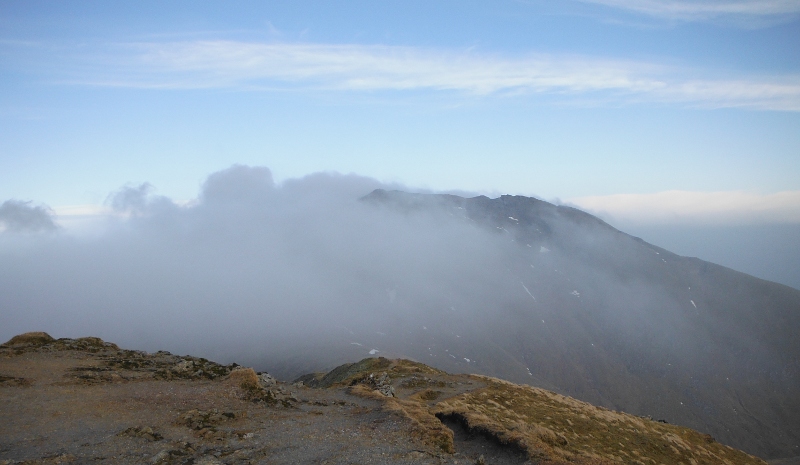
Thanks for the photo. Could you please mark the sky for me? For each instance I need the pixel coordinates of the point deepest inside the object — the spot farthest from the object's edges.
(675, 120)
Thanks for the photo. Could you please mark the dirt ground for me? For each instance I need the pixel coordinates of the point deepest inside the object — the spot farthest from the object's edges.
(69, 406)
(88, 401)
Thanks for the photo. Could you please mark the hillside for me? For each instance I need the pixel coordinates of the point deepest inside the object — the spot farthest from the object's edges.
(591, 312)
(88, 401)
(569, 303)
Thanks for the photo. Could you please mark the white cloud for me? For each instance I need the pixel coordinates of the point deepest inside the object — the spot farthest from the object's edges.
(253, 65)
(364, 67)
(699, 10)
(727, 207)
(20, 216)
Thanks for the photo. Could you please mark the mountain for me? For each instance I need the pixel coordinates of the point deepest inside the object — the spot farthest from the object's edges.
(307, 277)
(573, 305)
(89, 401)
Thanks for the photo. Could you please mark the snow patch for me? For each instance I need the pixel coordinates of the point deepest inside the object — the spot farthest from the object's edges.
(374, 351)
(694, 304)
(465, 358)
(356, 344)
(543, 249)
(575, 293)
(529, 292)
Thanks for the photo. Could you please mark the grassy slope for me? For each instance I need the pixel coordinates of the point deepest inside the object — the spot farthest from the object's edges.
(549, 427)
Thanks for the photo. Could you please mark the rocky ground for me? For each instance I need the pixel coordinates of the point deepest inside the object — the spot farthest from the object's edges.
(88, 401)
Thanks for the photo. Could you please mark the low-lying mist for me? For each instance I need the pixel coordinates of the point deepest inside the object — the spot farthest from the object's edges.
(249, 267)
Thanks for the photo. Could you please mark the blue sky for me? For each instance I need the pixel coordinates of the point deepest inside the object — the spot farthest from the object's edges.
(646, 112)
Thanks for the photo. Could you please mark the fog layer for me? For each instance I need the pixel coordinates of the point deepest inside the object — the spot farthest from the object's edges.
(249, 268)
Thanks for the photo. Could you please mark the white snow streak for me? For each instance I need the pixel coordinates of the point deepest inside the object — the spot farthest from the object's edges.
(529, 292)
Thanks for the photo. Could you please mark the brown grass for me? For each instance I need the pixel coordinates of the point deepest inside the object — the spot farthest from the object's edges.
(407, 367)
(244, 378)
(32, 338)
(426, 395)
(425, 425)
(558, 429)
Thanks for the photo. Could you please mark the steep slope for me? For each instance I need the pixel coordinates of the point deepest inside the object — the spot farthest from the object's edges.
(594, 313)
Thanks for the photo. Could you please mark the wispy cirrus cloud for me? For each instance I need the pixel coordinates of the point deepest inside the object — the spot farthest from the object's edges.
(334, 67)
(365, 67)
(670, 207)
(701, 10)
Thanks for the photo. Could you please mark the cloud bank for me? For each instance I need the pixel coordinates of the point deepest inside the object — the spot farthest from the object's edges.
(19, 216)
(304, 274)
(249, 268)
